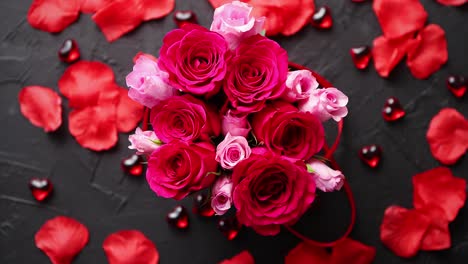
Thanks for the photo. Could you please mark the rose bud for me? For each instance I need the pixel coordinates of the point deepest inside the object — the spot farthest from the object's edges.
(145, 142)
(221, 195)
(326, 178)
(235, 125)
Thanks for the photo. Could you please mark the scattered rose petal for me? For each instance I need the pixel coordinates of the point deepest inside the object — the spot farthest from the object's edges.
(393, 23)
(42, 106)
(350, 251)
(53, 15)
(62, 238)
(431, 53)
(437, 236)
(92, 6)
(453, 2)
(440, 189)
(242, 258)
(94, 127)
(278, 14)
(306, 254)
(129, 112)
(447, 136)
(156, 9)
(402, 230)
(130, 246)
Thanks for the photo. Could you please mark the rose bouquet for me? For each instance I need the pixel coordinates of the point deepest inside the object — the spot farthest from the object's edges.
(227, 114)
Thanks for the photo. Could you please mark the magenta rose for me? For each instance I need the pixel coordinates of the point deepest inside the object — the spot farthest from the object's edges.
(180, 168)
(195, 59)
(184, 118)
(257, 72)
(325, 104)
(270, 191)
(286, 131)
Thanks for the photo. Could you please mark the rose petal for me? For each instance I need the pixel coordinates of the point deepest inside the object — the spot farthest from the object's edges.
(437, 237)
(242, 258)
(92, 6)
(115, 20)
(156, 9)
(447, 136)
(440, 189)
(402, 230)
(42, 106)
(61, 238)
(129, 112)
(130, 246)
(431, 53)
(350, 251)
(94, 127)
(87, 83)
(393, 23)
(453, 2)
(387, 53)
(53, 15)
(306, 254)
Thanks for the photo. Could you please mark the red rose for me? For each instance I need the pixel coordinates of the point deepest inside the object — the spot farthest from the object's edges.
(257, 72)
(286, 131)
(184, 118)
(179, 168)
(270, 191)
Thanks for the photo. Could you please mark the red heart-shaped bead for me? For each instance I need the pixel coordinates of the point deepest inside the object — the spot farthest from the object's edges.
(183, 17)
(40, 188)
(361, 56)
(457, 85)
(178, 217)
(371, 155)
(69, 51)
(322, 18)
(133, 165)
(230, 227)
(392, 110)
(202, 205)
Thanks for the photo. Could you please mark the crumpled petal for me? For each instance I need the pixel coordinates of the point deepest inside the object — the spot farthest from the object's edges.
(53, 15)
(387, 53)
(129, 112)
(87, 83)
(398, 18)
(453, 2)
(306, 254)
(92, 6)
(447, 136)
(94, 127)
(156, 9)
(440, 189)
(61, 238)
(350, 251)
(278, 14)
(130, 246)
(42, 106)
(242, 258)
(431, 53)
(437, 236)
(402, 230)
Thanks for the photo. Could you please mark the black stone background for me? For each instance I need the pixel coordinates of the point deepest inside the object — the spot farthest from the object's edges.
(91, 187)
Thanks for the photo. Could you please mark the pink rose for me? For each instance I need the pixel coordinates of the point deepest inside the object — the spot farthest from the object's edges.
(148, 84)
(270, 191)
(235, 22)
(235, 125)
(221, 195)
(326, 178)
(184, 118)
(145, 142)
(325, 104)
(299, 85)
(232, 150)
(179, 168)
(195, 59)
(286, 131)
(257, 72)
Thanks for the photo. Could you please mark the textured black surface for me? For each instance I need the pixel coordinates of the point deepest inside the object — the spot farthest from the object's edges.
(91, 187)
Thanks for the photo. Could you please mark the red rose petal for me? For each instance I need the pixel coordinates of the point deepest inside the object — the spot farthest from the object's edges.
(94, 127)
(440, 189)
(431, 53)
(402, 230)
(115, 20)
(92, 6)
(393, 23)
(387, 53)
(156, 9)
(130, 246)
(42, 106)
(351, 251)
(242, 258)
(87, 83)
(62, 238)
(447, 136)
(437, 237)
(453, 2)
(306, 254)
(149, 56)
(53, 15)
(129, 112)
